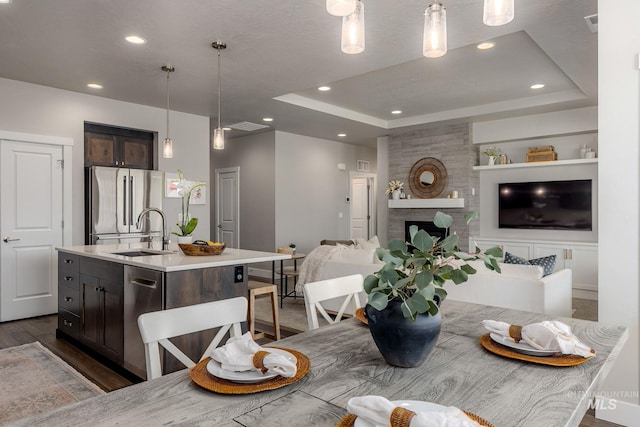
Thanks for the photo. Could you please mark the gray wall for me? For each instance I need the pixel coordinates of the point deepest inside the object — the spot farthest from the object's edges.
(255, 155)
(451, 144)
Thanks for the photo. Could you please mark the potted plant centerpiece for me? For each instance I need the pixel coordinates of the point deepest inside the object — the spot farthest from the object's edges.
(186, 224)
(404, 296)
(292, 246)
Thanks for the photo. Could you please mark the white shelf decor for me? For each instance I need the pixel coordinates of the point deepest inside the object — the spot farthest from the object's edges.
(554, 163)
(426, 203)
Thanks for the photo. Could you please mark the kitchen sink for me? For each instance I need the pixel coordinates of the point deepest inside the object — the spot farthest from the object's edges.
(142, 252)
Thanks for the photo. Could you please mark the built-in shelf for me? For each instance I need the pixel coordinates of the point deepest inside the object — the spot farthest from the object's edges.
(572, 162)
(426, 203)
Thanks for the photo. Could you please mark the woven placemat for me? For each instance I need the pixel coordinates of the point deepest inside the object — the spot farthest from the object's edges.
(204, 379)
(349, 420)
(359, 314)
(560, 360)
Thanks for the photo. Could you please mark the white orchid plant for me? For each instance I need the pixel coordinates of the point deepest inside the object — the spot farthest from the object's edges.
(186, 225)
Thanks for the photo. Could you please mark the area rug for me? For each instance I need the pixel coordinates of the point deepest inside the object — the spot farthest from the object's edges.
(34, 380)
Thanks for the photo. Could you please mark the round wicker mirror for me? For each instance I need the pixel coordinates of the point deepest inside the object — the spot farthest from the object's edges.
(427, 178)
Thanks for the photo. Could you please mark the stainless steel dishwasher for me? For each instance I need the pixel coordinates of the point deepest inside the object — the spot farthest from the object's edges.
(143, 292)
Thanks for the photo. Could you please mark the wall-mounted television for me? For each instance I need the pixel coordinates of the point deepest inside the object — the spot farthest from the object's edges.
(551, 205)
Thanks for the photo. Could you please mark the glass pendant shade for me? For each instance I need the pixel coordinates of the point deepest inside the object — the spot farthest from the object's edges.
(498, 12)
(167, 148)
(353, 30)
(218, 139)
(434, 42)
(341, 7)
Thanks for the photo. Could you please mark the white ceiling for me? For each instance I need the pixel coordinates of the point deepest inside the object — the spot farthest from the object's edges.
(280, 51)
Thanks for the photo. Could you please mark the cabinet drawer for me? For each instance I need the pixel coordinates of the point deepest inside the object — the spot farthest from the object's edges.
(69, 298)
(68, 263)
(104, 270)
(69, 323)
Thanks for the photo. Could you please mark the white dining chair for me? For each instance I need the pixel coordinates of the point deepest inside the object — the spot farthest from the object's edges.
(156, 327)
(317, 292)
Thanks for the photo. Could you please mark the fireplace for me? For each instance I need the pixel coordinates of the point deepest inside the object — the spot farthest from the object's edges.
(427, 226)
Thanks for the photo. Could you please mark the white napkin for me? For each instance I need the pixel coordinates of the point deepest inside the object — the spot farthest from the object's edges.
(548, 335)
(377, 411)
(237, 355)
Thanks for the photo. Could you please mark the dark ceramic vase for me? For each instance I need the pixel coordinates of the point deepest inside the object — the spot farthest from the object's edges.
(403, 342)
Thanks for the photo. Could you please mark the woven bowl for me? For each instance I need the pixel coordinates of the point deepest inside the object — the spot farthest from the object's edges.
(191, 249)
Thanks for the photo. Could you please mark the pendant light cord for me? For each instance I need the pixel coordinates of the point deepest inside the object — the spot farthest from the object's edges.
(219, 88)
(168, 73)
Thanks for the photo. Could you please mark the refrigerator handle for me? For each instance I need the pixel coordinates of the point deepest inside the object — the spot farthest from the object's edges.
(124, 200)
(131, 199)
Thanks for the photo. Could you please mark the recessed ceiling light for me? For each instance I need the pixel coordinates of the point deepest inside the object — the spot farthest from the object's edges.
(267, 119)
(5, 1)
(342, 135)
(396, 112)
(537, 86)
(324, 88)
(485, 45)
(135, 39)
(94, 85)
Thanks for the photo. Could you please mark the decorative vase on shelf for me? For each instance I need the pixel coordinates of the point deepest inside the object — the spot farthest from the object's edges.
(395, 194)
(492, 160)
(185, 239)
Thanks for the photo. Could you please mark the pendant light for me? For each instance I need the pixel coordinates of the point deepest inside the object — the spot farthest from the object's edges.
(341, 7)
(218, 133)
(498, 12)
(434, 41)
(353, 30)
(167, 146)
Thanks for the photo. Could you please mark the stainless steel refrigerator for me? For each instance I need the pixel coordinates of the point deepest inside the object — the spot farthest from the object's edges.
(114, 199)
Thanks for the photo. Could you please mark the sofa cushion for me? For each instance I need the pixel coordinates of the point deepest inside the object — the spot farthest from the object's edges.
(547, 263)
(534, 272)
(335, 242)
(352, 255)
(372, 243)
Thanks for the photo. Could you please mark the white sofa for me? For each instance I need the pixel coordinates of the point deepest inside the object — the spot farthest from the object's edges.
(519, 287)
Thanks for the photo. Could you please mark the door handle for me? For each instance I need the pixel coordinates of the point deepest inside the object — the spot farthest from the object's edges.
(219, 226)
(8, 239)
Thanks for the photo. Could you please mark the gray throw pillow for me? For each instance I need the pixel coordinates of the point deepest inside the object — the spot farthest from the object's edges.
(547, 263)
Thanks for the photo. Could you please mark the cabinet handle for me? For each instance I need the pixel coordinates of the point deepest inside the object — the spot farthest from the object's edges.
(68, 278)
(68, 299)
(68, 261)
(67, 323)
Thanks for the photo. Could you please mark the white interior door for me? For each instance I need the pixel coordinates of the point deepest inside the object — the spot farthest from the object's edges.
(362, 206)
(228, 206)
(31, 215)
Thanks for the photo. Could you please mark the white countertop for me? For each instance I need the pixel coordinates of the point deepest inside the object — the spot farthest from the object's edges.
(174, 261)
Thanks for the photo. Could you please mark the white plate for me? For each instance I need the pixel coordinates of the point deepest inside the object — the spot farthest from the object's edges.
(252, 376)
(520, 347)
(412, 405)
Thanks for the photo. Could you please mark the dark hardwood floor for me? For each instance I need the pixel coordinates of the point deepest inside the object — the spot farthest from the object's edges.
(43, 329)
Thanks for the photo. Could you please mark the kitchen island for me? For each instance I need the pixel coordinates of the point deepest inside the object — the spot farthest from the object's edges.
(102, 289)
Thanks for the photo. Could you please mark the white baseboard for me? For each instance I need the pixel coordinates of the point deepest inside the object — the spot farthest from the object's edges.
(618, 412)
(260, 272)
(585, 294)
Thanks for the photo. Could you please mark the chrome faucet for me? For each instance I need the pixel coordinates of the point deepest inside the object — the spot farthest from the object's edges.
(165, 232)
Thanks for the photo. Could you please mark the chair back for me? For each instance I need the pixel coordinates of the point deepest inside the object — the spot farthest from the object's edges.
(316, 292)
(157, 327)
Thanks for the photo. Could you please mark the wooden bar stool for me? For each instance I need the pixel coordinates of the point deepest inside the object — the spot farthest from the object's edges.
(257, 289)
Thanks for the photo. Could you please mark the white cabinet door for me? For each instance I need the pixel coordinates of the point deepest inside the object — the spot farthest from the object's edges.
(584, 264)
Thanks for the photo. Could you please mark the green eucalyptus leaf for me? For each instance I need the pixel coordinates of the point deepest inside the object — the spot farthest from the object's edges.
(422, 241)
(428, 292)
(370, 283)
(423, 279)
(495, 252)
(417, 303)
(470, 216)
(464, 256)
(433, 308)
(450, 242)
(397, 245)
(458, 276)
(378, 300)
(412, 232)
(468, 269)
(442, 294)
(442, 220)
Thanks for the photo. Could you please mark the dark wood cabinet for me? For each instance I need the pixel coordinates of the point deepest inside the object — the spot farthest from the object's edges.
(118, 147)
(69, 295)
(102, 307)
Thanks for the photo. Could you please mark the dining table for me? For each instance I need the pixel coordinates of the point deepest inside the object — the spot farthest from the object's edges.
(344, 362)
